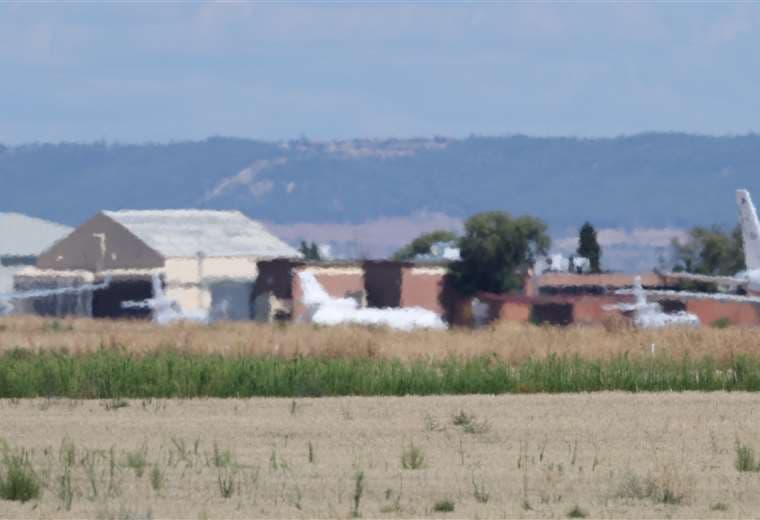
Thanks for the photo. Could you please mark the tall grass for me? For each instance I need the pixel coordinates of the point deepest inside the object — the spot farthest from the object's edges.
(115, 373)
(511, 342)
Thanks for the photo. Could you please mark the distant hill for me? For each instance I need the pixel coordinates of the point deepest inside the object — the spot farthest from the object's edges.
(647, 180)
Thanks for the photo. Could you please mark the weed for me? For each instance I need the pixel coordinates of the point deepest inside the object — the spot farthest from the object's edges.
(358, 491)
(293, 407)
(157, 478)
(65, 489)
(115, 404)
(312, 457)
(470, 424)
(666, 488)
(67, 454)
(273, 460)
(577, 512)
(479, 491)
(721, 323)
(412, 457)
(57, 326)
(745, 458)
(89, 462)
(222, 458)
(719, 506)
(444, 506)
(226, 481)
(136, 461)
(112, 467)
(17, 480)
(179, 444)
(432, 424)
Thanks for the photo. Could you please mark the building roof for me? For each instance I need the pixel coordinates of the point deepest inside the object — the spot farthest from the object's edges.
(187, 232)
(612, 280)
(21, 235)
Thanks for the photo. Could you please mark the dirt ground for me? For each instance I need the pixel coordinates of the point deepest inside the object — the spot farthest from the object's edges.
(604, 455)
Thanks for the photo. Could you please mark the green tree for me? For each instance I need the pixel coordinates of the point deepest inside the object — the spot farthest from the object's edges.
(588, 246)
(422, 244)
(711, 251)
(496, 251)
(310, 252)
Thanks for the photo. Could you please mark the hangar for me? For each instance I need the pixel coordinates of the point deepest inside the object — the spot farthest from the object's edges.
(22, 239)
(206, 260)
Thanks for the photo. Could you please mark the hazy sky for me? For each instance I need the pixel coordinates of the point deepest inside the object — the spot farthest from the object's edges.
(138, 72)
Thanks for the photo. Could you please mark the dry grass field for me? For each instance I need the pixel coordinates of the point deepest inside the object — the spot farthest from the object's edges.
(600, 455)
(509, 341)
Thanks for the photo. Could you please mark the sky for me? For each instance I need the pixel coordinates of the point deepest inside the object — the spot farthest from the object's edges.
(167, 71)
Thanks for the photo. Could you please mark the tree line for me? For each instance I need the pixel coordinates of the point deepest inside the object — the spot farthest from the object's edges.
(497, 250)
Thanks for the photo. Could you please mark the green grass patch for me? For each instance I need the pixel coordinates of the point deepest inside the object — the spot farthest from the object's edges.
(117, 374)
(17, 479)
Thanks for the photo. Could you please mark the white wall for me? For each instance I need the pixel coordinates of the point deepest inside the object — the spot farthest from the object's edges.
(183, 276)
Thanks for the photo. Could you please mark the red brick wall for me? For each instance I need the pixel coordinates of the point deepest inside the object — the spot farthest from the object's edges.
(514, 311)
(422, 287)
(737, 313)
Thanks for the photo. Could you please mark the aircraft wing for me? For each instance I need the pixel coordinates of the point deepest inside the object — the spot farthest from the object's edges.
(690, 294)
(41, 293)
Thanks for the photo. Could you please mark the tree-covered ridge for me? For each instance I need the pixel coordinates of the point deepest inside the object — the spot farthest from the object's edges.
(647, 180)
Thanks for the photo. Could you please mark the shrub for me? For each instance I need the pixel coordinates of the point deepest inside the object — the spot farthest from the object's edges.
(444, 506)
(18, 481)
(577, 512)
(470, 424)
(136, 461)
(412, 457)
(666, 487)
(721, 323)
(157, 478)
(745, 458)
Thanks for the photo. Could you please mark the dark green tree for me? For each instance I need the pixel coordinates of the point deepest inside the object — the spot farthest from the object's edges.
(588, 246)
(422, 244)
(496, 251)
(310, 252)
(711, 251)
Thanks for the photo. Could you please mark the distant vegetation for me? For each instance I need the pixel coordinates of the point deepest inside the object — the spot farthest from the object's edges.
(710, 251)
(423, 243)
(647, 180)
(496, 250)
(588, 246)
(111, 374)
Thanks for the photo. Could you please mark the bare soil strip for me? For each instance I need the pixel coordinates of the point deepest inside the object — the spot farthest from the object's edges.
(533, 456)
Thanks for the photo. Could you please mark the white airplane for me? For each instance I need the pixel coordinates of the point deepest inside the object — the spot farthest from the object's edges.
(165, 310)
(325, 310)
(649, 315)
(7, 299)
(748, 280)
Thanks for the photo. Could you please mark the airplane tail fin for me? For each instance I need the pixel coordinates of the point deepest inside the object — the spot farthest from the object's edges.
(750, 229)
(313, 292)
